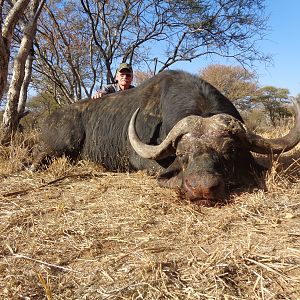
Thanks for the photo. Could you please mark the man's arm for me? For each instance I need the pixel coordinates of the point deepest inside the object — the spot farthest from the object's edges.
(108, 89)
(99, 94)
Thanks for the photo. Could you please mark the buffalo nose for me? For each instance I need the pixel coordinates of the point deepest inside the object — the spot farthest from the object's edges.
(207, 186)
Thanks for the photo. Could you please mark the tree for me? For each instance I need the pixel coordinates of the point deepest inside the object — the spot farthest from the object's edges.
(80, 44)
(40, 106)
(7, 26)
(182, 29)
(140, 76)
(11, 115)
(274, 101)
(67, 62)
(236, 83)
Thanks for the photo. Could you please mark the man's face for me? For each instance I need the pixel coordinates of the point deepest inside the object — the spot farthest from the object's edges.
(124, 78)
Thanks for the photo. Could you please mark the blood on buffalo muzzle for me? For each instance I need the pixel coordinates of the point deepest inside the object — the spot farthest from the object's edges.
(207, 187)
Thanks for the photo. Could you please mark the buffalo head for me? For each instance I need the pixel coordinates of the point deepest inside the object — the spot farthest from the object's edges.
(212, 154)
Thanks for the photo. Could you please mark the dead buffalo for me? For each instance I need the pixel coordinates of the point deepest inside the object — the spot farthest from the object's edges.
(185, 131)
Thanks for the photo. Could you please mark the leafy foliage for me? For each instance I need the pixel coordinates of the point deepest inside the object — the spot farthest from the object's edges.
(236, 83)
(274, 101)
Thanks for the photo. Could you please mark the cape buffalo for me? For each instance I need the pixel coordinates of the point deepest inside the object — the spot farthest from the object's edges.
(185, 131)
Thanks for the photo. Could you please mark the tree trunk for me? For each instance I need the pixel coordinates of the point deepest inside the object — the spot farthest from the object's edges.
(11, 116)
(4, 61)
(25, 84)
(7, 31)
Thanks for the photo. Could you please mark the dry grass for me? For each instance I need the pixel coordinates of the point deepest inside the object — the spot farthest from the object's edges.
(78, 232)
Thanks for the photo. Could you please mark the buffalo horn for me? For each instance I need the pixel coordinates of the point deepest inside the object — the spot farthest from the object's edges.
(167, 146)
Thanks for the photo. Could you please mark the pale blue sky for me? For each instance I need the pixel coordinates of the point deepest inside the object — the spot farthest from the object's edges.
(282, 42)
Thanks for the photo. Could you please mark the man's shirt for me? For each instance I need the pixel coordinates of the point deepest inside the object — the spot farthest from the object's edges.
(112, 88)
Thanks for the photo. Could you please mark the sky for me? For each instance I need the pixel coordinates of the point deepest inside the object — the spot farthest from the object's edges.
(282, 42)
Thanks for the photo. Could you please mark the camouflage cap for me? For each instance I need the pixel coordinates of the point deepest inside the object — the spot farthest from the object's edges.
(124, 66)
